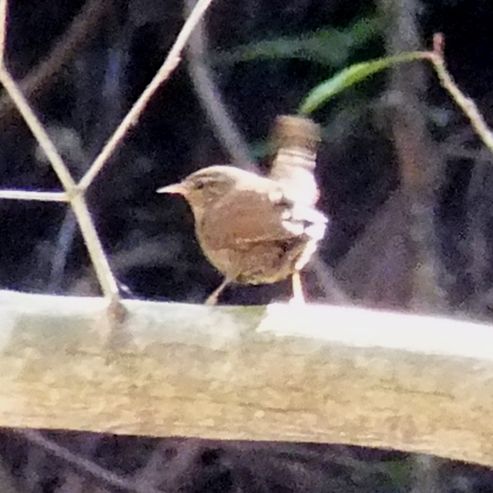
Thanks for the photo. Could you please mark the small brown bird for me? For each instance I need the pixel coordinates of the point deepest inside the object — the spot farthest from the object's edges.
(247, 226)
(252, 228)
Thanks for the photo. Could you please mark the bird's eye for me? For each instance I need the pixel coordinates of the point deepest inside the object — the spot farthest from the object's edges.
(199, 185)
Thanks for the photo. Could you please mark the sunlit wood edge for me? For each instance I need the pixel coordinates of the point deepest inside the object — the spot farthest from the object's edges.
(278, 372)
(33, 195)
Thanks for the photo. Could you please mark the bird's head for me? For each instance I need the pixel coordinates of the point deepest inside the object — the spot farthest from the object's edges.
(206, 186)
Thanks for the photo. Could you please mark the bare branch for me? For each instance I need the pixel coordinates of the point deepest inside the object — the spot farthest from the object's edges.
(83, 464)
(79, 33)
(211, 99)
(93, 243)
(169, 64)
(466, 104)
(95, 248)
(3, 29)
(38, 131)
(33, 195)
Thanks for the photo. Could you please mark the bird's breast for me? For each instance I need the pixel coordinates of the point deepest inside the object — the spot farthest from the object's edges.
(251, 238)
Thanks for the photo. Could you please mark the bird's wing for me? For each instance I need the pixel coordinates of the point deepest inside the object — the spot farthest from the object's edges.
(253, 217)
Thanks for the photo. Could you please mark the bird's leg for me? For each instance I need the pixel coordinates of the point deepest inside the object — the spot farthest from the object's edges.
(212, 298)
(298, 297)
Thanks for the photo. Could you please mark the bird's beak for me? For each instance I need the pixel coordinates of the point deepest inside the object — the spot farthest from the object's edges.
(178, 188)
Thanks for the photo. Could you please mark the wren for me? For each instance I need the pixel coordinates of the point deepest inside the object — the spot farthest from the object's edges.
(256, 229)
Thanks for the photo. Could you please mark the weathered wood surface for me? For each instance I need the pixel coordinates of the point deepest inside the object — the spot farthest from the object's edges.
(315, 373)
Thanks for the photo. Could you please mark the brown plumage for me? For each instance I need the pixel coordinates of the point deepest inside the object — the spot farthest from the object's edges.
(253, 229)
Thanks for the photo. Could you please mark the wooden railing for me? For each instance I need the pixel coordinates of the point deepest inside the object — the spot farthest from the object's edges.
(313, 373)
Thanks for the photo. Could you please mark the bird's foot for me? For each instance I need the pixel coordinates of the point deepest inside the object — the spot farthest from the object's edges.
(298, 296)
(214, 296)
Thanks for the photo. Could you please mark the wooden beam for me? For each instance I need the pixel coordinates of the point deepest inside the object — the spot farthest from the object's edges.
(314, 373)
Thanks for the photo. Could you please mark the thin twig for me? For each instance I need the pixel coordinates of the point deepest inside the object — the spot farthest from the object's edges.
(3, 28)
(466, 104)
(211, 99)
(134, 114)
(80, 31)
(78, 34)
(33, 195)
(95, 249)
(38, 131)
(77, 201)
(84, 464)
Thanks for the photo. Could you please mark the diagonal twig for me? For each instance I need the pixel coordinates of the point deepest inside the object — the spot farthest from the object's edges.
(77, 201)
(210, 98)
(79, 32)
(466, 104)
(74, 192)
(37, 130)
(83, 464)
(76, 197)
(135, 112)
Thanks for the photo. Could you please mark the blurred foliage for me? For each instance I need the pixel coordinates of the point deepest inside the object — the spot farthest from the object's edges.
(348, 77)
(326, 46)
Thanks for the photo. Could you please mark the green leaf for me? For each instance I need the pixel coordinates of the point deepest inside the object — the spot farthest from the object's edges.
(320, 94)
(325, 46)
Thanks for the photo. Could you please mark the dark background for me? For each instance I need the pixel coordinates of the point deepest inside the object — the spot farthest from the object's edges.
(405, 181)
